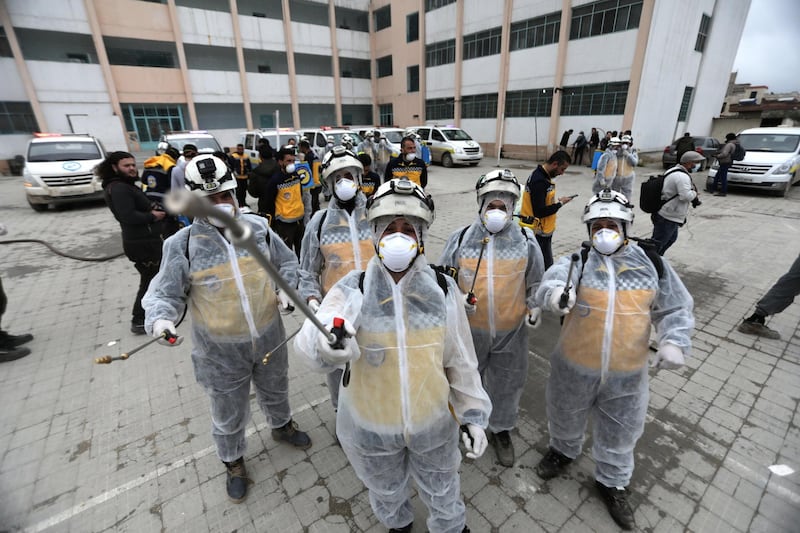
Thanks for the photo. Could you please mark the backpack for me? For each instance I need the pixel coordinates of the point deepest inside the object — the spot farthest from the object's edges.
(738, 152)
(650, 194)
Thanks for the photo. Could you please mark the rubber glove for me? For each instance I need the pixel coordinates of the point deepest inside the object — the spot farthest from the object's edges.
(285, 306)
(554, 304)
(474, 438)
(338, 357)
(160, 326)
(668, 356)
(534, 317)
(313, 304)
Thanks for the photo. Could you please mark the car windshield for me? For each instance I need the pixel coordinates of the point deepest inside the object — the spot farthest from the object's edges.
(769, 142)
(337, 137)
(206, 145)
(456, 135)
(63, 151)
(393, 137)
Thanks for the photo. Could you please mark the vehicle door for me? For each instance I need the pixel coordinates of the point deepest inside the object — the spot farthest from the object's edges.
(249, 143)
(438, 145)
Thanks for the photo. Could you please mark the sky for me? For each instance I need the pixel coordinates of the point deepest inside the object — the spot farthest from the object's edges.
(769, 52)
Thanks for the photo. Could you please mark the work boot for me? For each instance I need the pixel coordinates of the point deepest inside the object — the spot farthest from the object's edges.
(751, 327)
(290, 434)
(12, 341)
(503, 447)
(552, 464)
(404, 529)
(137, 328)
(12, 354)
(236, 482)
(616, 500)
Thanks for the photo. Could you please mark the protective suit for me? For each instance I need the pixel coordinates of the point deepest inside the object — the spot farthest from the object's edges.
(376, 147)
(414, 361)
(627, 159)
(599, 365)
(616, 168)
(509, 274)
(337, 241)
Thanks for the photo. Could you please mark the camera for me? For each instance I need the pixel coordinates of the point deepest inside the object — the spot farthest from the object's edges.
(696, 202)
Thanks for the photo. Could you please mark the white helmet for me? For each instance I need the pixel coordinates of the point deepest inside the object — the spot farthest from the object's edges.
(627, 139)
(206, 175)
(410, 132)
(331, 139)
(498, 181)
(347, 140)
(608, 204)
(377, 133)
(400, 198)
(614, 141)
(340, 159)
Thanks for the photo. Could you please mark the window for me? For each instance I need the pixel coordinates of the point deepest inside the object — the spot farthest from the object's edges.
(603, 17)
(483, 43)
(537, 31)
(150, 121)
(439, 108)
(412, 27)
(264, 69)
(436, 135)
(386, 114)
(596, 99)
(702, 33)
(413, 79)
(78, 58)
(440, 53)
(141, 58)
(529, 103)
(384, 66)
(17, 117)
(685, 101)
(5, 48)
(753, 94)
(382, 17)
(351, 19)
(479, 106)
(430, 5)
(355, 68)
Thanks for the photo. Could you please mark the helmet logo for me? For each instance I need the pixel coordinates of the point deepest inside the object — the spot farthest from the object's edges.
(210, 185)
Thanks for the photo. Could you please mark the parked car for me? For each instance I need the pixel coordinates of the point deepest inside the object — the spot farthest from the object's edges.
(318, 138)
(205, 142)
(276, 139)
(771, 162)
(706, 146)
(59, 169)
(450, 145)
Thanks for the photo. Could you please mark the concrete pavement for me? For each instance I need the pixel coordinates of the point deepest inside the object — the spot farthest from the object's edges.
(127, 447)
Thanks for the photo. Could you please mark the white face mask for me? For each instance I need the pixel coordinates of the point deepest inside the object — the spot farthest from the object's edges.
(225, 208)
(290, 168)
(397, 251)
(606, 241)
(345, 189)
(411, 156)
(495, 220)
(624, 146)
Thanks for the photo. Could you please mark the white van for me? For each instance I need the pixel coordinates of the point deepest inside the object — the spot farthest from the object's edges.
(771, 163)
(277, 139)
(450, 145)
(59, 169)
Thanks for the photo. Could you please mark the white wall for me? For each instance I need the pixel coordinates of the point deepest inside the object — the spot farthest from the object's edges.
(600, 59)
(356, 91)
(215, 86)
(311, 39)
(439, 81)
(68, 82)
(526, 130)
(315, 89)
(533, 8)
(353, 43)
(11, 89)
(480, 75)
(262, 34)
(11, 145)
(440, 24)
(201, 26)
(99, 120)
(480, 129)
(61, 15)
(268, 88)
(481, 15)
(522, 76)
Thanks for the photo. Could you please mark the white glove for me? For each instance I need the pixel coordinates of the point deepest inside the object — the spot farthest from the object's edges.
(338, 357)
(313, 304)
(534, 317)
(468, 307)
(554, 304)
(474, 439)
(668, 356)
(285, 306)
(160, 326)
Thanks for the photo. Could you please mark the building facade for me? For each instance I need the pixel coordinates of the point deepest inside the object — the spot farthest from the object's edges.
(513, 73)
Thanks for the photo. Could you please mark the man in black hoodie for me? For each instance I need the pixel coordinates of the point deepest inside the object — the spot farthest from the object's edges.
(140, 220)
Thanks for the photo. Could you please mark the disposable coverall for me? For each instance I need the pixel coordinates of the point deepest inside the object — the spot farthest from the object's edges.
(616, 170)
(378, 151)
(599, 365)
(416, 359)
(235, 321)
(509, 275)
(335, 243)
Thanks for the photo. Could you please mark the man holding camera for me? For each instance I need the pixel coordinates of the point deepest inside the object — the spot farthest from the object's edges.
(677, 193)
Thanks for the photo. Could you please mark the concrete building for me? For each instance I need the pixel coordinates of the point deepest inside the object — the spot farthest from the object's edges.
(513, 73)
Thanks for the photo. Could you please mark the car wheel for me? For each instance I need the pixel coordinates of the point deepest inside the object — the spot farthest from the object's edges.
(38, 207)
(447, 161)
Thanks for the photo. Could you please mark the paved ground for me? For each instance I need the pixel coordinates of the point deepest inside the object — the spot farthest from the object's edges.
(126, 447)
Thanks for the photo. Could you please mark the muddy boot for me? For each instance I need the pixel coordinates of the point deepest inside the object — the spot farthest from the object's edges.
(291, 435)
(552, 464)
(616, 500)
(236, 482)
(503, 447)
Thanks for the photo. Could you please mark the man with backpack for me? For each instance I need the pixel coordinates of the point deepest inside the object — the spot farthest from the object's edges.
(677, 193)
(411, 375)
(499, 268)
(599, 368)
(725, 157)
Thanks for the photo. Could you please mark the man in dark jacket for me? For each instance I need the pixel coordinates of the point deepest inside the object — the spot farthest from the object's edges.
(578, 148)
(725, 159)
(407, 164)
(564, 140)
(140, 220)
(683, 145)
(260, 176)
(239, 161)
